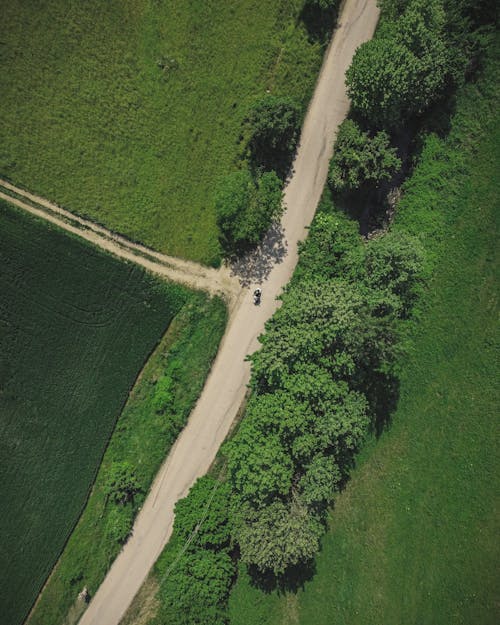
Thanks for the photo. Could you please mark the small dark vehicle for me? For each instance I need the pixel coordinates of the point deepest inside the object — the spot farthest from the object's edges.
(257, 294)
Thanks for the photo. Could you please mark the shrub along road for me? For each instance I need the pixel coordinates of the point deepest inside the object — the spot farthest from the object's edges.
(225, 388)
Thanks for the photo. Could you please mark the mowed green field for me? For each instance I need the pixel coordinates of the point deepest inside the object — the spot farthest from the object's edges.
(414, 537)
(130, 111)
(75, 329)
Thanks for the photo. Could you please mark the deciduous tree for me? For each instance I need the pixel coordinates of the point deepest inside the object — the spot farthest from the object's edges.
(245, 209)
(359, 159)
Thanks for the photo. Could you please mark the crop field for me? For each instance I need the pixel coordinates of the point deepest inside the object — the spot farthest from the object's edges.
(75, 328)
(129, 111)
(414, 537)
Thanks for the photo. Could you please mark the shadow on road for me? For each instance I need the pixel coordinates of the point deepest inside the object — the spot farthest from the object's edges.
(255, 265)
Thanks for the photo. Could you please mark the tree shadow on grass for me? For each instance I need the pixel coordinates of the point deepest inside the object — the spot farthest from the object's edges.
(319, 22)
(255, 265)
(292, 580)
(383, 395)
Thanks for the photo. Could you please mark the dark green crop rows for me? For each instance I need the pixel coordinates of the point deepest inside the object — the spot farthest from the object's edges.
(75, 329)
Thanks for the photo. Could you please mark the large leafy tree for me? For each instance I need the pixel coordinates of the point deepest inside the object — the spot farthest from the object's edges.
(390, 268)
(245, 209)
(404, 70)
(359, 159)
(318, 322)
(278, 536)
(260, 471)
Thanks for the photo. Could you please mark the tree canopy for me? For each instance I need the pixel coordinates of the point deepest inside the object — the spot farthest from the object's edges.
(359, 159)
(278, 536)
(245, 209)
(404, 70)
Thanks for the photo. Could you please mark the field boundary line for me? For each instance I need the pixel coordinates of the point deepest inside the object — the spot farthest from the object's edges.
(191, 274)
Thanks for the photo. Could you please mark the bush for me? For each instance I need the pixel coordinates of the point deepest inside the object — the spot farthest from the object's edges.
(245, 209)
(119, 523)
(195, 589)
(208, 501)
(121, 483)
(359, 159)
(196, 570)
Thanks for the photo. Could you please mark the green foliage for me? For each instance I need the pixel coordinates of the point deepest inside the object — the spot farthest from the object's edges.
(119, 524)
(245, 208)
(259, 472)
(74, 336)
(331, 324)
(405, 69)
(274, 125)
(323, 254)
(147, 101)
(359, 159)
(391, 265)
(121, 483)
(163, 394)
(209, 498)
(320, 482)
(195, 590)
(278, 536)
(195, 571)
(326, 360)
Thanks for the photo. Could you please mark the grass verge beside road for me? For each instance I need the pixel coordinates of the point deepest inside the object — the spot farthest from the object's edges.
(413, 538)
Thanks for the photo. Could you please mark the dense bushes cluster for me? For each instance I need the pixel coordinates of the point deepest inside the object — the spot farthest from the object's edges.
(325, 367)
(196, 570)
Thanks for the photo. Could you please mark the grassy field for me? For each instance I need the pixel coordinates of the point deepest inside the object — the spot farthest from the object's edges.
(130, 111)
(75, 328)
(414, 537)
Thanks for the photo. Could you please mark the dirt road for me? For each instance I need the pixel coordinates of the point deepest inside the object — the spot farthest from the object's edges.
(215, 281)
(224, 390)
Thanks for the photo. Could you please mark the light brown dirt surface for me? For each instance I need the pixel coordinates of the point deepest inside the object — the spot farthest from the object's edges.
(225, 388)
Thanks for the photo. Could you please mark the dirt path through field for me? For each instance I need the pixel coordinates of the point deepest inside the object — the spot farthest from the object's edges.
(215, 281)
(225, 388)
